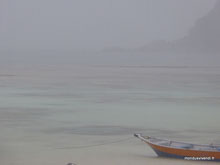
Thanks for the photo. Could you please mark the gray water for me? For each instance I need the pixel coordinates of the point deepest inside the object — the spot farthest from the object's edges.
(44, 107)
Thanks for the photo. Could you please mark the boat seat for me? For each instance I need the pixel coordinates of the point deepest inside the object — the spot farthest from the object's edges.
(186, 146)
(164, 144)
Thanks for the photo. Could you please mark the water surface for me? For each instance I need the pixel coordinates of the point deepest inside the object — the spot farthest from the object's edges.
(44, 108)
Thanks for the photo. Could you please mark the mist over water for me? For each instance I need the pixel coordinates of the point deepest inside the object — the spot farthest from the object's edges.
(49, 107)
(68, 96)
(86, 80)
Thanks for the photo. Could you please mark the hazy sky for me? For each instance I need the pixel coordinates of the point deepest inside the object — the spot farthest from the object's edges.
(95, 24)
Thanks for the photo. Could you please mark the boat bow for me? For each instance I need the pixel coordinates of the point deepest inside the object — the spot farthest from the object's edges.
(174, 149)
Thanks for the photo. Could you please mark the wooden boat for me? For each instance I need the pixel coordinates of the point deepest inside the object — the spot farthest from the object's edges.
(187, 151)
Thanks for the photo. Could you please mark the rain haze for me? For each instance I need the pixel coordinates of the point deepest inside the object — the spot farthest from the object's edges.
(79, 77)
(97, 24)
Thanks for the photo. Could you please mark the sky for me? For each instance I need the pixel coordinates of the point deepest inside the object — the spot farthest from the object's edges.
(95, 24)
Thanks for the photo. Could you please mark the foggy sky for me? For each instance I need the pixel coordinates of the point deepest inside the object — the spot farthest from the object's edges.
(95, 24)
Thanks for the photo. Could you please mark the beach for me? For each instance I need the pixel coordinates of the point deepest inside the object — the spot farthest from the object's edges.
(87, 114)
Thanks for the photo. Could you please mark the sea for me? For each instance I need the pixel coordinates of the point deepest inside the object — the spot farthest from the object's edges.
(54, 113)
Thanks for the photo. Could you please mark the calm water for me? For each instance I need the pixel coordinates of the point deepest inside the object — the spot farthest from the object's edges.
(48, 107)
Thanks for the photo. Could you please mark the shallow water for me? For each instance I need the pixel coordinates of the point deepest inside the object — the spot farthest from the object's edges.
(49, 107)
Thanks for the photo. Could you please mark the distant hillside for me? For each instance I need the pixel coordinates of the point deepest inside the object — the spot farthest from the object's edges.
(203, 37)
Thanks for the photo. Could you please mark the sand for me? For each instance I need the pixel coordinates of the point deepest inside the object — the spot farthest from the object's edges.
(81, 150)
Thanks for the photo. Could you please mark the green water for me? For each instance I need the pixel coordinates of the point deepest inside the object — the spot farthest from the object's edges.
(48, 102)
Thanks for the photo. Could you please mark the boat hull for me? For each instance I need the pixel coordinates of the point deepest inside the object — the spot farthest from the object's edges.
(184, 153)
